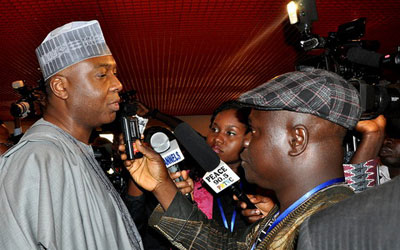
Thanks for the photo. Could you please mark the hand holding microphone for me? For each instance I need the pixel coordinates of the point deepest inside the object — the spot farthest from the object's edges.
(172, 155)
(169, 151)
(186, 186)
(219, 176)
(264, 205)
(150, 173)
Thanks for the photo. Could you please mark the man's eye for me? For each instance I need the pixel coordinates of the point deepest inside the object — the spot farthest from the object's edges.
(231, 133)
(215, 130)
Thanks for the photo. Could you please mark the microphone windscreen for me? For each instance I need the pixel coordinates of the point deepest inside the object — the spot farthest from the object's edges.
(197, 147)
(364, 57)
(160, 142)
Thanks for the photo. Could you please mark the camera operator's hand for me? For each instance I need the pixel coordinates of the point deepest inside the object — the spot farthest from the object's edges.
(150, 173)
(375, 126)
(373, 134)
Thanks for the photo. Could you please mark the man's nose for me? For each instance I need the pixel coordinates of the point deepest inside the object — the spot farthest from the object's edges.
(116, 85)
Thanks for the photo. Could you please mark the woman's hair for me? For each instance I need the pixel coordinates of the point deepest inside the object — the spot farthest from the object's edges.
(242, 113)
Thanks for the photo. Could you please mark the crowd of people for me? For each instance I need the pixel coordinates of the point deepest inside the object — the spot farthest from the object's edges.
(284, 138)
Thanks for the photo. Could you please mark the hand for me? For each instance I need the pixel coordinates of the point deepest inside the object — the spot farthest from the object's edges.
(376, 126)
(264, 205)
(149, 171)
(373, 134)
(186, 186)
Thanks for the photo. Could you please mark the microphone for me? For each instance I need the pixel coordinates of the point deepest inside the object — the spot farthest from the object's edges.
(364, 57)
(219, 175)
(169, 151)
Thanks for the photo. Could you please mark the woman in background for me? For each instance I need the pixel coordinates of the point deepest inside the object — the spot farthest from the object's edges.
(228, 127)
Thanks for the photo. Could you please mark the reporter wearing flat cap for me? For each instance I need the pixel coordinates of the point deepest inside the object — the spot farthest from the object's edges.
(298, 123)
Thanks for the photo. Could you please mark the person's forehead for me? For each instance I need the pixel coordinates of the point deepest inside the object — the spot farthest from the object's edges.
(265, 113)
(225, 115)
(107, 62)
(257, 116)
(226, 112)
(102, 61)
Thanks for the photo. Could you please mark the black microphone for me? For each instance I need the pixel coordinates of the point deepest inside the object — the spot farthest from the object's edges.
(364, 57)
(219, 175)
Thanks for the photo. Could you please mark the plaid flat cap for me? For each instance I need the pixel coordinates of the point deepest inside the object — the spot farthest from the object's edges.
(312, 91)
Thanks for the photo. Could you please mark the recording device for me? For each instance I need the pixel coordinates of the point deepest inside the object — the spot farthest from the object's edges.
(219, 176)
(169, 151)
(129, 123)
(354, 59)
(25, 105)
(131, 131)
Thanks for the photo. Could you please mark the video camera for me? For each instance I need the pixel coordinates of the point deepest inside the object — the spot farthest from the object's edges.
(354, 59)
(25, 105)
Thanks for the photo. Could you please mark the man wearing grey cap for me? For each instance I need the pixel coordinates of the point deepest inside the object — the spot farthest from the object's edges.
(53, 193)
(298, 123)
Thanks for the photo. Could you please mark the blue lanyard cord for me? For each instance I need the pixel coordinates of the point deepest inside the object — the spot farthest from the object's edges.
(221, 210)
(224, 218)
(298, 203)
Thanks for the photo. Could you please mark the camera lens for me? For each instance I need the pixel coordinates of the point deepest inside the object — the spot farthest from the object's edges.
(20, 109)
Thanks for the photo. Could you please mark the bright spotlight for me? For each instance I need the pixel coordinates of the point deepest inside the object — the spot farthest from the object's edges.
(292, 12)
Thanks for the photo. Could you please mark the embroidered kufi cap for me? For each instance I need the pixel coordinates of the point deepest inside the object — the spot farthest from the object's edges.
(70, 44)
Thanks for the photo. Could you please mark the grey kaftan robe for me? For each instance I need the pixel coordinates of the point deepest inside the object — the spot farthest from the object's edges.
(54, 195)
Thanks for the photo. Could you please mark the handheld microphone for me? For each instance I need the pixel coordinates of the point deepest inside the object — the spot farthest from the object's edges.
(219, 175)
(169, 151)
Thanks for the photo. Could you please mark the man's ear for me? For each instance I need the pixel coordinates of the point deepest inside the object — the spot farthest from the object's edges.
(58, 86)
(298, 140)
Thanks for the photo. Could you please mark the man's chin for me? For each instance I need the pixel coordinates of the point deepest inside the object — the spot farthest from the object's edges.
(107, 120)
(111, 118)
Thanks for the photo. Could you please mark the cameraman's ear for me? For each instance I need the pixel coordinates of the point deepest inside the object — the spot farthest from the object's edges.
(58, 85)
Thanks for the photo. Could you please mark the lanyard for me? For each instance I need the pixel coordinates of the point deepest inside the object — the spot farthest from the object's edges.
(297, 203)
(224, 218)
(221, 210)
